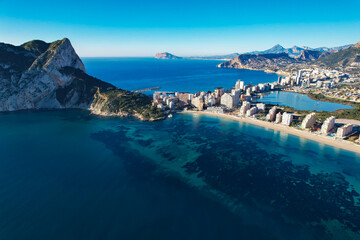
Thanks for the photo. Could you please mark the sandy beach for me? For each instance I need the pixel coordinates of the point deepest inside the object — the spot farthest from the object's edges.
(343, 144)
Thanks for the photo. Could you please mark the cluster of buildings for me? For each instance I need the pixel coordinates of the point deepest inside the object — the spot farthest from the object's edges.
(317, 78)
(328, 126)
(228, 99)
(242, 97)
(331, 83)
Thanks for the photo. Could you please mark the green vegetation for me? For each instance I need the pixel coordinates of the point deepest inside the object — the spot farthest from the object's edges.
(127, 103)
(322, 97)
(340, 59)
(37, 47)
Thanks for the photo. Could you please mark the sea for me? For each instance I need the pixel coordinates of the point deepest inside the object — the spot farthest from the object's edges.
(72, 175)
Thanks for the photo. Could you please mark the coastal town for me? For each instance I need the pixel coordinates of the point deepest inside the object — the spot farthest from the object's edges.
(242, 102)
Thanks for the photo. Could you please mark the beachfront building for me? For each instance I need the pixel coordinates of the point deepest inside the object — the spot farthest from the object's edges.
(236, 96)
(184, 98)
(227, 100)
(309, 121)
(244, 107)
(278, 118)
(251, 112)
(261, 107)
(272, 114)
(287, 118)
(210, 100)
(218, 92)
(239, 85)
(344, 131)
(328, 125)
(196, 101)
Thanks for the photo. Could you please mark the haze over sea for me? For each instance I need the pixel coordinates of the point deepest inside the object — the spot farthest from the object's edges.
(72, 175)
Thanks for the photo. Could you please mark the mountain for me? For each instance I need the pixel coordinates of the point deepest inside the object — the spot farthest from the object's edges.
(274, 62)
(311, 55)
(296, 51)
(333, 49)
(275, 49)
(166, 55)
(38, 75)
(347, 60)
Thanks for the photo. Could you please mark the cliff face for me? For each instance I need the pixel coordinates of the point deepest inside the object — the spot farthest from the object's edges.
(44, 75)
(268, 62)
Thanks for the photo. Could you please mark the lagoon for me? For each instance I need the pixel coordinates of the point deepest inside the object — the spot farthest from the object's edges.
(300, 101)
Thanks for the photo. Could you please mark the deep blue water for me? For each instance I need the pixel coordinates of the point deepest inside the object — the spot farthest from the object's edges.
(70, 175)
(300, 101)
(171, 75)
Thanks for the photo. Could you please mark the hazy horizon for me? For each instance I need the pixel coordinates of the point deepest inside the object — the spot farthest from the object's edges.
(141, 29)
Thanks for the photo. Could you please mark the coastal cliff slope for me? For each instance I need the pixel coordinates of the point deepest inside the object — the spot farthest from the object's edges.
(347, 60)
(40, 75)
(267, 62)
(295, 51)
(44, 75)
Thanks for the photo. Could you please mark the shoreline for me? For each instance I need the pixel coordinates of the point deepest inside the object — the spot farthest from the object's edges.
(343, 144)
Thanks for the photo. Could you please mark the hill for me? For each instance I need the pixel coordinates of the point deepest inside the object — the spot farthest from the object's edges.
(347, 60)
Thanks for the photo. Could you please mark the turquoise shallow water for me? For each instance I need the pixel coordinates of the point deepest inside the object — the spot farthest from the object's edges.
(70, 175)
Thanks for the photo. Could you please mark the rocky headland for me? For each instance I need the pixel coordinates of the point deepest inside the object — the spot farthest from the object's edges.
(40, 75)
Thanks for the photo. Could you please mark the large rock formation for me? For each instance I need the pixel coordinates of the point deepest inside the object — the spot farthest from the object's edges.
(40, 75)
(45, 75)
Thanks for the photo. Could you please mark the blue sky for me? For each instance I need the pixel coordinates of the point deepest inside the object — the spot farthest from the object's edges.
(142, 28)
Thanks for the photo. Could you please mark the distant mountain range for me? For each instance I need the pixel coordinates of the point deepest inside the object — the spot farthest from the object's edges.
(277, 59)
(41, 75)
(296, 51)
(304, 53)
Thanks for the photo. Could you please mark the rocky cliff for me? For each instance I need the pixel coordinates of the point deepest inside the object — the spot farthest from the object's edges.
(39, 75)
